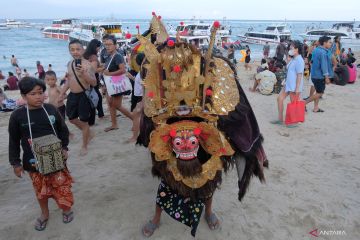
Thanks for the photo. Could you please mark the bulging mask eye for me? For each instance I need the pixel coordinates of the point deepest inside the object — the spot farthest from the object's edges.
(193, 140)
(177, 141)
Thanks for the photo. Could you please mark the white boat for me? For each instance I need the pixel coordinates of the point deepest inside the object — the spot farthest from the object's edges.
(223, 30)
(199, 41)
(346, 31)
(193, 29)
(60, 29)
(3, 26)
(16, 24)
(96, 30)
(272, 35)
(221, 43)
(198, 28)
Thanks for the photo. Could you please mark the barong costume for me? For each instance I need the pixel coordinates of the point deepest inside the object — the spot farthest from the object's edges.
(197, 123)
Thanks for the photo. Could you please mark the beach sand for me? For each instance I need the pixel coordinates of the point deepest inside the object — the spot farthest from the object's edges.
(313, 181)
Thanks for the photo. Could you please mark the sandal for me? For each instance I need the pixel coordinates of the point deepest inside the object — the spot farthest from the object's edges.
(277, 122)
(40, 224)
(212, 221)
(149, 229)
(68, 217)
(319, 111)
(108, 129)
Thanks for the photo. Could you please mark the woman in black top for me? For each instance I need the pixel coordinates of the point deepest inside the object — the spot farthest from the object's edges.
(247, 58)
(115, 66)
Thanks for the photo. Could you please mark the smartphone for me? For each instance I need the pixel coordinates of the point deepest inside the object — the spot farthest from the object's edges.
(77, 62)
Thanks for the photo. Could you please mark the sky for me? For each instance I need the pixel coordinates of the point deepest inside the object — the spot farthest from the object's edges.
(322, 10)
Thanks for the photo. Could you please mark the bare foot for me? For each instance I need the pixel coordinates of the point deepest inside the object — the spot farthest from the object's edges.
(83, 151)
(149, 228)
(91, 136)
(71, 136)
(251, 90)
(212, 221)
(131, 140)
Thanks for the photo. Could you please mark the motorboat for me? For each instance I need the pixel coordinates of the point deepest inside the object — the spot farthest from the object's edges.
(11, 23)
(273, 34)
(96, 30)
(348, 33)
(60, 29)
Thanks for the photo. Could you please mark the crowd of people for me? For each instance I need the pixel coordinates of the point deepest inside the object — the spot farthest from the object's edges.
(44, 95)
(283, 74)
(12, 80)
(321, 63)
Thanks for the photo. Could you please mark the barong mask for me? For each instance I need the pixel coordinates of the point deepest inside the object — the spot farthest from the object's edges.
(185, 144)
(178, 144)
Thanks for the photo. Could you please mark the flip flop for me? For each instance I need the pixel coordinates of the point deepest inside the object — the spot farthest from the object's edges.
(277, 122)
(68, 217)
(40, 224)
(212, 221)
(292, 126)
(149, 229)
(319, 111)
(108, 129)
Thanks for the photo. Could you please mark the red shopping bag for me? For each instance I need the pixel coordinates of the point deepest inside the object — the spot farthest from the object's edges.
(295, 112)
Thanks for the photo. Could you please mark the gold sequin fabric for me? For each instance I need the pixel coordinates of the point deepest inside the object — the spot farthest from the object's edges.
(225, 95)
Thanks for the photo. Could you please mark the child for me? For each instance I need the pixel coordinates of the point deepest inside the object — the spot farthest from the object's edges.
(3, 97)
(26, 74)
(343, 54)
(55, 185)
(307, 69)
(18, 72)
(138, 93)
(54, 92)
(53, 95)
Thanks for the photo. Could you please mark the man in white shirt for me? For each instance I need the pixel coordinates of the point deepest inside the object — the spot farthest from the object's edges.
(264, 81)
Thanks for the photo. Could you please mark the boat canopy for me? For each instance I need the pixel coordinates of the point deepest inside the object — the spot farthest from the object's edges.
(326, 33)
(343, 25)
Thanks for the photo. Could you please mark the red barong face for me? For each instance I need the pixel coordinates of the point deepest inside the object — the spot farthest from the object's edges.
(185, 145)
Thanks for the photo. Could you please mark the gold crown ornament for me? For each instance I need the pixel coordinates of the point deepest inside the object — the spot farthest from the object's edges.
(180, 82)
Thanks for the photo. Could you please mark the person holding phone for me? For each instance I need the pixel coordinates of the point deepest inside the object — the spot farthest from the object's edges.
(81, 75)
